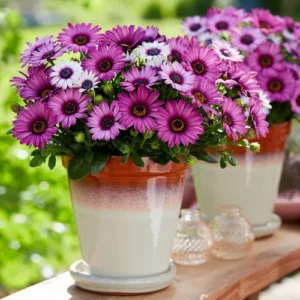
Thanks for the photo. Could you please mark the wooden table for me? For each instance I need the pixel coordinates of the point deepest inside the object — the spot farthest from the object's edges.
(271, 259)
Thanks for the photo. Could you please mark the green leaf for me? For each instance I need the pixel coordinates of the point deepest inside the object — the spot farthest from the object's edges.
(78, 168)
(99, 161)
(232, 161)
(77, 147)
(203, 155)
(223, 163)
(36, 152)
(137, 160)
(36, 161)
(125, 158)
(117, 143)
(89, 155)
(9, 131)
(52, 161)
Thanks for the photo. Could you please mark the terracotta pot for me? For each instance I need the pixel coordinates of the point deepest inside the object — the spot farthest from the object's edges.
(253, 185)
(126, 219)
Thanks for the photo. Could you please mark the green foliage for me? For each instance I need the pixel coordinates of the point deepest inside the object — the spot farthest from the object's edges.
(280, 112)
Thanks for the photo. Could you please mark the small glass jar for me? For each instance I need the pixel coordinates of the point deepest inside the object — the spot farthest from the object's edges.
(232, 234)
(193, 239)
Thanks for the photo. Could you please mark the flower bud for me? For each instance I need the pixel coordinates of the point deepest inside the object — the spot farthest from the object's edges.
(79, 137)
(133, 132)
(91, 93)
(148, 134)
(154, 145)
(16, 107)
(244, 143)
(98, 99)
(251, 133)
(108, 88)
(190, 161)
(125, 149)
(176, 149)
(255, 147)
(90, 106)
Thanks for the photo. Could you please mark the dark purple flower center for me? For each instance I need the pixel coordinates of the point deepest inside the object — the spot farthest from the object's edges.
(66, 73)
(39, 126)
(177, 125)
(45, 93)
(225, 52)
(87, 84)
(254, 118)
(176, 56)
(139, 110)
(70, 108)
(298, 101)
(199, 97)
(295, 74)
(81, 39)
(105, 65)
(222, 25)
(149, 39)
(48, 55)
(176, 78)
(107, 122)
(264, 24)
(208, 42)
(198, 67)
(195, 27)
(247, 39)
(266, 60)
(275, 85)
(227, 119)
(141, 81)
(153, 51)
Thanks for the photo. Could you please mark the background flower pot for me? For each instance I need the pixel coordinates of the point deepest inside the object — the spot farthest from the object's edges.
(253, 185)
(126, 217)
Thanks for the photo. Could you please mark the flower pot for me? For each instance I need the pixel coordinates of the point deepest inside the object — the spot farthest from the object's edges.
(126, 220)
(253, 185)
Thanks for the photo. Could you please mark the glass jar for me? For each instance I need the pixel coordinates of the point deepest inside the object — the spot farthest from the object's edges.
(232, 234)
(193, 239)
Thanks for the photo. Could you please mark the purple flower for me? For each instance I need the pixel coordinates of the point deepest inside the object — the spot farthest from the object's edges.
(194, 26)
(147, 77)
(228, 72)
(123, 36)
(222, 22)
(150, 51)
(233, 119)
(105, 61)
(138, 109)
(295, 102)
(246, 83)
(247, 38)
(35, 125)
(203, 62)
(69, 105)
(104, 121)
(79, 38)
(258, 119)
(177, 76)
(293, 47)
(226, 52)
(38, 85)
(266, 59)
(178, 48)
(86, 82)
(295, 70)
(152, 34)
(26, 55)
(179, 123)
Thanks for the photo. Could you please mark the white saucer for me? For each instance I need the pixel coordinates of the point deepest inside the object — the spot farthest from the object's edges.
(83, 279)
(262, 230)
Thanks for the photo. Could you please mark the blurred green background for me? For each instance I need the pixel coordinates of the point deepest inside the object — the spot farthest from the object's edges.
(37, 233)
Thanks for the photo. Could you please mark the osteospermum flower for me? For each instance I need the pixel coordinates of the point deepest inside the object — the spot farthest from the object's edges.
(178, 48)
(105, 61)
(259, 122)
(179, 123)
(222, 22)
(266, 59)
(203, 62)
(35, 125)
(295, 70)
(295, 102)
(226, 52)
(123, 36)
(246, 83)
(138, 109)
(147, 77)
(79, 37)
(65, 74)
(177, 76)
(156, 62)
(69, 105)
(87, 81)
(293, 48)
(247, 38)
(104, 121)
(194, 26)
(152, 34)
(130, 58)
(207, 38)
(149, 51)
(233, 119)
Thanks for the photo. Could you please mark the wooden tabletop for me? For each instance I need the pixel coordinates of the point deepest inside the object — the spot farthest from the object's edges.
(271, 259)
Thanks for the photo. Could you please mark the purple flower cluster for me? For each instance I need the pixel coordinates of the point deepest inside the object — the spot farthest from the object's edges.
(136, 80)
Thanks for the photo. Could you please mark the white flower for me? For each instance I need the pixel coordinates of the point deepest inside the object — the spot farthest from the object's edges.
(274, 38)
(130, 57)
(226, 52)
(265, 101)
(156, 62)
(65, 74)
(288, 35)
(207, 38)
(87, 81)
(150, 51)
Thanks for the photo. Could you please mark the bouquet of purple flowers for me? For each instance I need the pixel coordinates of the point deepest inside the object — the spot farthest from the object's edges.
(131, 92)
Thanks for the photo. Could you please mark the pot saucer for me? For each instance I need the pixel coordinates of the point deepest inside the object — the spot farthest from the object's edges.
(108, 285)
(262, 230)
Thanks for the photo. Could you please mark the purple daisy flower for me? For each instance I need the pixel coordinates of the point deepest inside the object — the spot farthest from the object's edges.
(279, 87)
(204, 94)
(222, 22)
(38, 85)
(79, 37)
(203, 62)
(152, 34)
(177, 76)
(178, 48)
(123, 36)
(295, 70)
(293, 47)
(147, 77)
(69, 105)
(35, 125)
(194, 26)
(266, 59)
(138, 109)
(105, 61)
(26, 55)
(226, 52)
(228, 73)
(247, 38)
(295, 102)
(179, 123)
(246, 83)
(258, 119)
(233, 119)
(104, 121)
